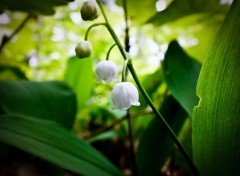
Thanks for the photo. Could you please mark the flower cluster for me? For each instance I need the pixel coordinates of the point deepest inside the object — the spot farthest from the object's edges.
(124, 94)
(89, 11)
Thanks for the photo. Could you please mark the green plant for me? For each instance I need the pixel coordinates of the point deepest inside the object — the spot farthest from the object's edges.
(154, 135)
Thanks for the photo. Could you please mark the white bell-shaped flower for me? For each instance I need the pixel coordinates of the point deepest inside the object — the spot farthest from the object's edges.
(124, 95)
(106, 71)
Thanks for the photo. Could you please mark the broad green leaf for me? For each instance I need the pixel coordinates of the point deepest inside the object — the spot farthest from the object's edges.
(216, 123)
(50, 141)
(181, 74)
(45, 100)
(156, 145)
(79, 75)
(140, 11)
(182, 8)
(33, 6)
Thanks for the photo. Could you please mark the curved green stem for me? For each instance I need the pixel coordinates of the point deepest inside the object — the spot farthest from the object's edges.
(110, 49)
(92, 26)
(163, 121)
(124, 70)
(146, 96)
(110, 29)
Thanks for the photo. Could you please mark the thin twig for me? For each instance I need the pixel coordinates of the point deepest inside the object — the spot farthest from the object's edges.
(132, 153)
(117, 122)
(127, 43)
(6, 39)
(125, 73)
(107, 128)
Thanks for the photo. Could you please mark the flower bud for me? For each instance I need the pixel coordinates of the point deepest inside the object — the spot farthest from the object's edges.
(89, 10)
(106, 71)
(83, 49)
(124, 95)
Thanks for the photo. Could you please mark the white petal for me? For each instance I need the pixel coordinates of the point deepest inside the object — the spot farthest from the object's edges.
(106, 71)
(133, 94)
(136, 103)
(124, 95)
(120, 97)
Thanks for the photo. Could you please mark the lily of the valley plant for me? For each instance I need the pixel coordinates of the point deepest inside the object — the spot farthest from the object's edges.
(124, 94)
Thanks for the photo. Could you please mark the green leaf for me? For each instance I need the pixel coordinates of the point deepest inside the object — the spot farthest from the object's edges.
(181, 74)
(156, 145)
(216, 123)
(32, 6)
(79, 75)
(53, 143)
(45, 100)
(182, 8)
(147, 9)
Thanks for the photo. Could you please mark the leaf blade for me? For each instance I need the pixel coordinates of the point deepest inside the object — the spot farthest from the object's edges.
(182, 8)
(147, 8)
(56, 145)
(79, 75)
(52, 100)
(216, 119)
(181, 74)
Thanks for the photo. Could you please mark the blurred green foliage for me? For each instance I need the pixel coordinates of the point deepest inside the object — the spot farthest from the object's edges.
(43, 50)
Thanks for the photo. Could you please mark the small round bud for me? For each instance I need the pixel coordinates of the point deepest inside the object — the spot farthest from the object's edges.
(89, 10)
(106, 71)
(124, 95)
(83, 49)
